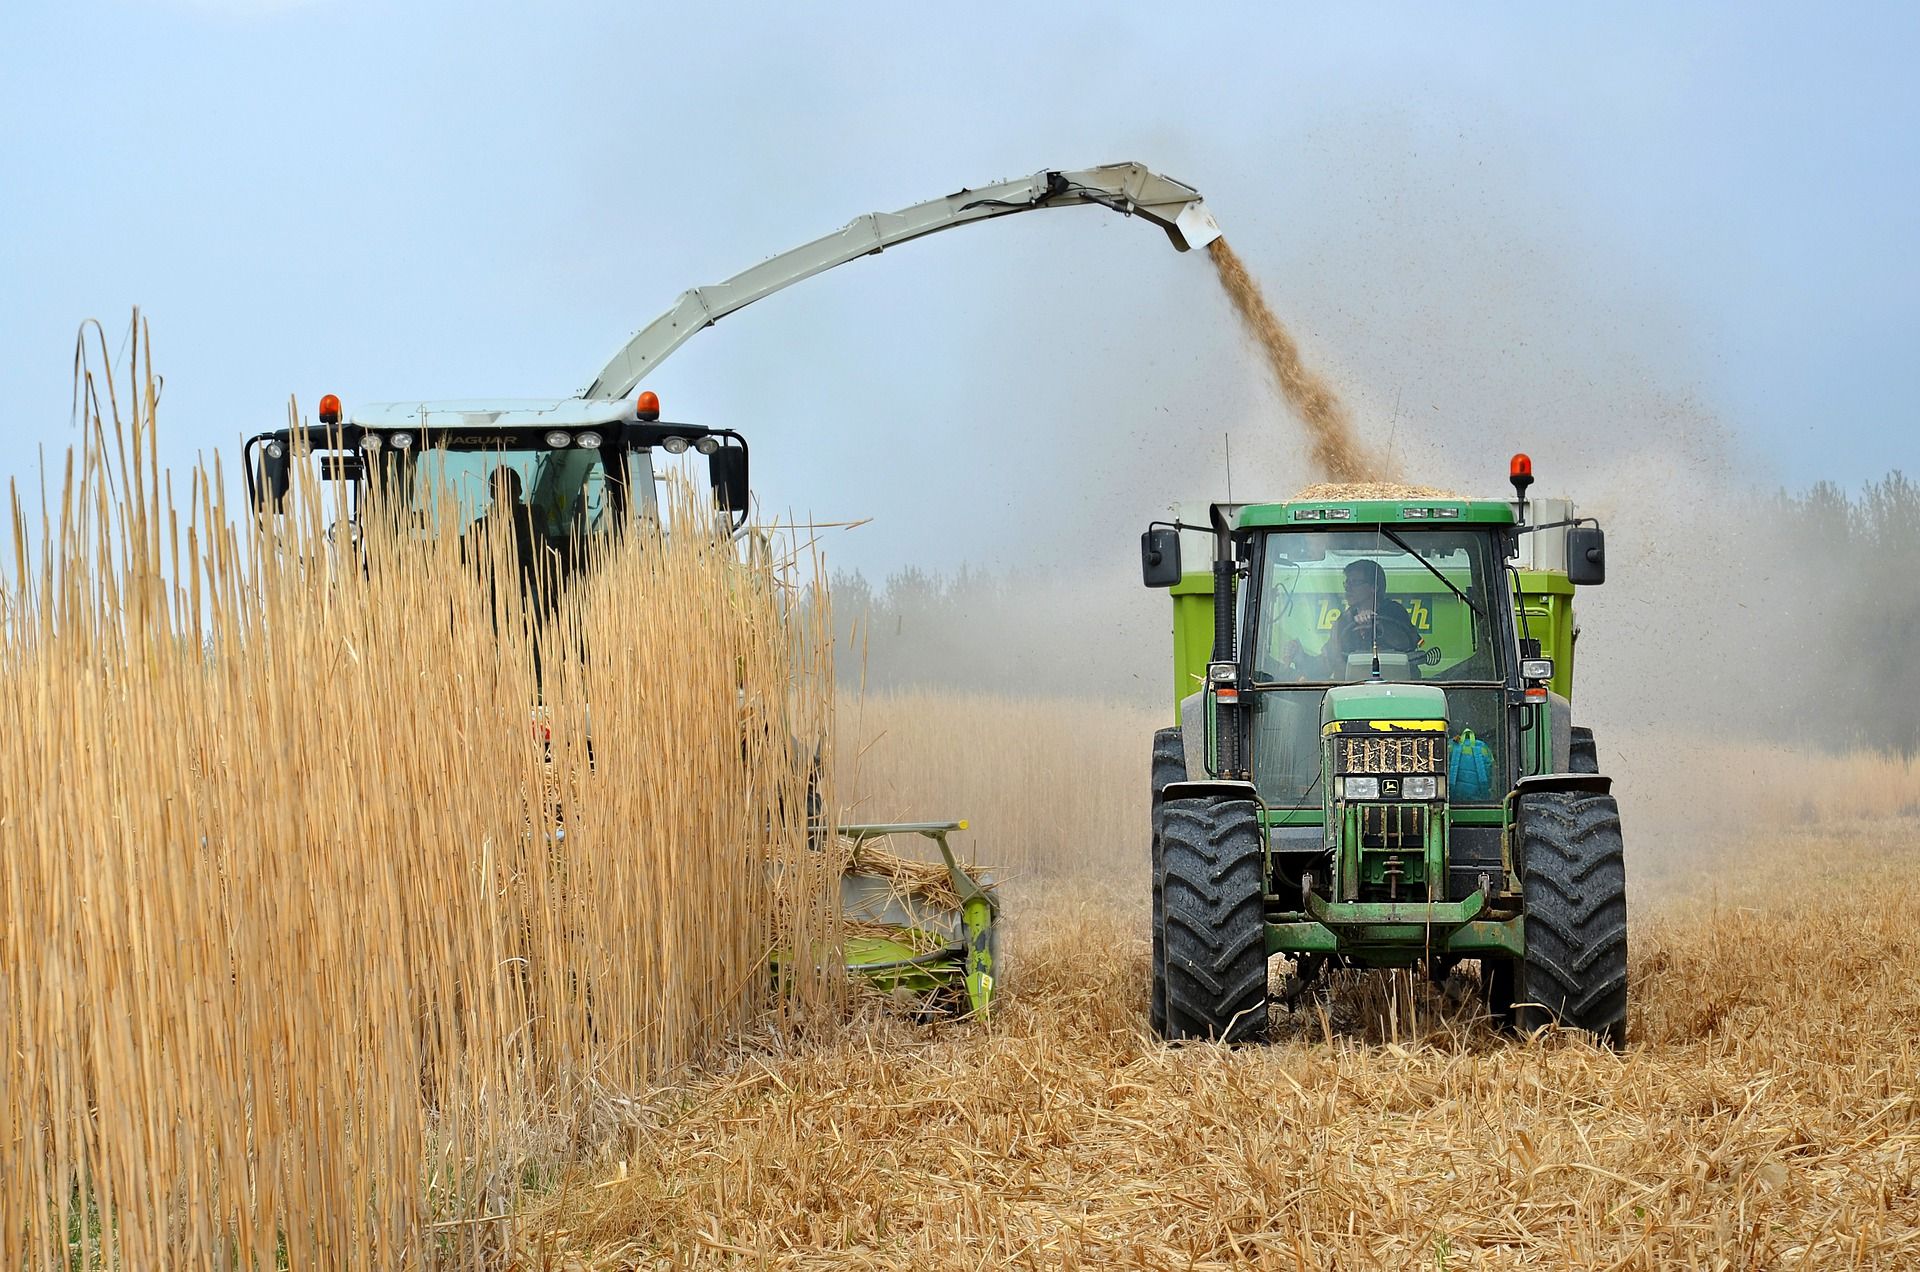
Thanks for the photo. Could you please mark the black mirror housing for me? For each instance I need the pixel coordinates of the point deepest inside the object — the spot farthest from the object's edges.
(275, 476)
(1160, 556)
(727, 473)
(1586, 556)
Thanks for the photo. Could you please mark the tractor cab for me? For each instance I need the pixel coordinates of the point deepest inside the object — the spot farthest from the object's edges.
(1369, 604)
(575, 466)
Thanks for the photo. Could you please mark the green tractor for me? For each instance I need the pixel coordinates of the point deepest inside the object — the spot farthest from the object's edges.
(1375, 763)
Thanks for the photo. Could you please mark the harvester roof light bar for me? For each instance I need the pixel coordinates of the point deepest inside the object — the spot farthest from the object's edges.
(588, 440)
(1309, 514)
(1416, 514)
(675, 445)
(559, 438)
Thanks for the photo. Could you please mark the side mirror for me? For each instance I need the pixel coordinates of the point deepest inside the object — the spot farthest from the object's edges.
(1160, 556)
(276, 474)
(727, 473)
(1586, 556)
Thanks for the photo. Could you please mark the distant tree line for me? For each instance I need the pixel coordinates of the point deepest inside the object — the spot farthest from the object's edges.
(1848, 590)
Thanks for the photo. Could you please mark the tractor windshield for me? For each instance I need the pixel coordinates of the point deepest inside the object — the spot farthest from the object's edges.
(1331, 601)
(1328, 602)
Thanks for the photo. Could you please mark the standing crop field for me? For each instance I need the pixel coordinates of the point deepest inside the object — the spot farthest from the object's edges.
(317, 942)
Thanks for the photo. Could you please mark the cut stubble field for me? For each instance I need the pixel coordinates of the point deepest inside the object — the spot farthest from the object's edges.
(1764, 1115)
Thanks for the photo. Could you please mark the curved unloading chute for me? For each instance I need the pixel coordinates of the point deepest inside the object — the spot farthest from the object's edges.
(1127, 188)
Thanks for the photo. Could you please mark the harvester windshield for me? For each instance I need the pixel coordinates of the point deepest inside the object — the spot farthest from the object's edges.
(565, 492)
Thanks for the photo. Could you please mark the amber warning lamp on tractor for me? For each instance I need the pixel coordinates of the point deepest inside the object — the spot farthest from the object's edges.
(1520, 473)
(329, 409)
(647, 406)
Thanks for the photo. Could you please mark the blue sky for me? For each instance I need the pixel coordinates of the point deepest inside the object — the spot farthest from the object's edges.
(1678, 235)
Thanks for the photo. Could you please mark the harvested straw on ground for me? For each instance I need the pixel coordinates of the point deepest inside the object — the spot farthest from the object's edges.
(1764, 1117)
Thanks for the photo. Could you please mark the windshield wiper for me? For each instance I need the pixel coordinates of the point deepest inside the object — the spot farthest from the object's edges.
(1408, 549)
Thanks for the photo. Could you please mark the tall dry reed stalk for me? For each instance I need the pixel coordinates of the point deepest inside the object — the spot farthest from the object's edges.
(295, 967)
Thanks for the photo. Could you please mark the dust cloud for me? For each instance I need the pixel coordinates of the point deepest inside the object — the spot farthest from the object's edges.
(1333, 445)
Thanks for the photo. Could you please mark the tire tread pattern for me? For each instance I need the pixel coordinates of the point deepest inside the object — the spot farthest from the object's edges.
(1582, 755)
(1169, 765)
(1213, 918)
(1573, 875)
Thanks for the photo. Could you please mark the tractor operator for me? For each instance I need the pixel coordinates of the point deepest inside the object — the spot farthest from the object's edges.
(1368, 616)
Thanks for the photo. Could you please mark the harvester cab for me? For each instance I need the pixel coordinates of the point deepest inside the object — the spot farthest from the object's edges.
(1375, 762)
(579, 464)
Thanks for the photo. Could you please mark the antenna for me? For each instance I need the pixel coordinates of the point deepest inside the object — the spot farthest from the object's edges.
(1379, 582)
(1228, 438)
(1393, 427)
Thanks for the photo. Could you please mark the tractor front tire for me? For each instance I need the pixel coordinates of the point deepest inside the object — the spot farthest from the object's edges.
(1574, 883)
(1211, 886)
(1169, 765)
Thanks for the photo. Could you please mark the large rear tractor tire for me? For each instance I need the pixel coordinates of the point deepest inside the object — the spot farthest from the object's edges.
(1574, 883)
(1582, 756)
(1212, 883)
(1169, 765)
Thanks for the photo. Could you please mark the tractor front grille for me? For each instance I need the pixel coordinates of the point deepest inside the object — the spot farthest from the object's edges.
(1393, 827)
(1414, 754)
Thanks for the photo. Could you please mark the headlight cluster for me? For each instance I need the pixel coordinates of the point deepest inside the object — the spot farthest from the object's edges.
(678, 445)
(587, 439)
(1420, 788)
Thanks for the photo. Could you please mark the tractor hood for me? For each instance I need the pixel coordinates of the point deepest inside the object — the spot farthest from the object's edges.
(1376, 700)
